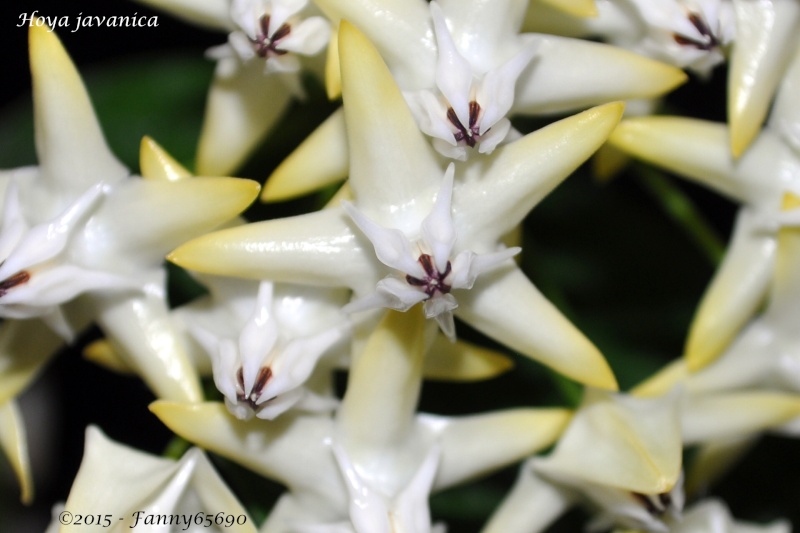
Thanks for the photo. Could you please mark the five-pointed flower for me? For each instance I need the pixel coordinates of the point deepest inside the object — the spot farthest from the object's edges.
(375, 463)
(426, 270)
(395, 178)
(566, 75)
(257, 73)
(263, 373)
(470, 107)
(142, 491)
(77, 222)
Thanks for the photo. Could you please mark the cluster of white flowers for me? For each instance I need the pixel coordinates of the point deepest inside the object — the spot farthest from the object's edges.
(419, 241)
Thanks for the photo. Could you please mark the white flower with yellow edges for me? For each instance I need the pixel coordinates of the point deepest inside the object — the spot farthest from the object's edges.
(396, 181)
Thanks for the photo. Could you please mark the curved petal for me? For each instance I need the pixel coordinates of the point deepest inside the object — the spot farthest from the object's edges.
(463, 361)
(570, 74)
(614, 440)
(291, 449)
(73, 154)
(506, 306)
(315, 249)
(737, 289)
(381, 132)
(531, 506)
(737, 414)
(322, 159)
(141, 220)
(242, 107)
(25, 348)
(514, 434)
(767, 38)
(698, 150)
(525, 171)
(150, 343)
(14, 443)
(377, 411)
(155, 163)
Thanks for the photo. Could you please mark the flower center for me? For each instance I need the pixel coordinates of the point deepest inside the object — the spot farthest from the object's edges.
(709, 41)
(12, 281)
(251, 399)
(266, 45)
(469, 135)
(434, 281)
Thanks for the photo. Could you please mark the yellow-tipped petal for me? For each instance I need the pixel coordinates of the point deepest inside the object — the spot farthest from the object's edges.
(71, 149)
(736, 414)
(572, 74)
(155, 163)
(620, 441)
(785, 288)
(735, 293)
(663, 381)
(320, 160)
(240, 111)
(317, 249)
(577, 8)
(102, 353)
(515, 434)
(532, 326)
(463, 361)
(333, 75)
(531, 505)
(14, 442)
(391, 160)
(522, 173)
(25, 347)
(213, 14)
(291, 449)
(383, 388)
(147, 218)
(766, 39)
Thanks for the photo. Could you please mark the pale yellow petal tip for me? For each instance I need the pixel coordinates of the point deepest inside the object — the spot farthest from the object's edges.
(742, 135)
(663, 381)
(170, 412)
(155, 163)
(102, 353)
(790, 202)
(281, 185)
(703, 347)
(333, 78)
(462, 361)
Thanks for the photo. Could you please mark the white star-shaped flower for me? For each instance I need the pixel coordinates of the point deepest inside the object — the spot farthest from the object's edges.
(372, 467)
(141, 491)
(263, 372)
(469, 108)
(396, 179)
(427, 270)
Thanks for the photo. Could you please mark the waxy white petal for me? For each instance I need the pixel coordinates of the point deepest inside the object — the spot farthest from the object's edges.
(69, 163)
(14, 442)
(381, 131)
(243, 105)
(767, 38)
(320, 160)
(214, 14)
